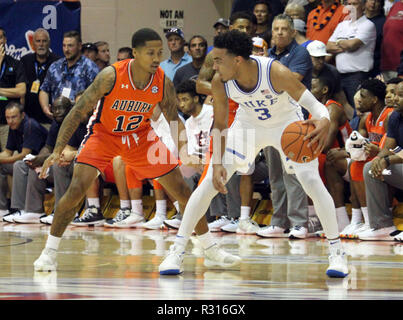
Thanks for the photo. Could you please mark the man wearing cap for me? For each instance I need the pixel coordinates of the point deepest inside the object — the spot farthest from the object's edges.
(317, 50)
(222, 25)
(178, 58)
(300, 28)
(90, 51)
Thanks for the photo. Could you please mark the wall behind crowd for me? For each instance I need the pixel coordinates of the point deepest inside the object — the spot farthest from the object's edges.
(115, 21)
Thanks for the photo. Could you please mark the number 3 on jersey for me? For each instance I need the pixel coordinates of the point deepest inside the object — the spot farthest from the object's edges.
(264, 113)
(133, 123)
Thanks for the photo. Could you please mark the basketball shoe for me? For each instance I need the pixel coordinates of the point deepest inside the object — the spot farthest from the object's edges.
(247, 226)
(337, 266)
(217, 257)
(125, 218)
(92, 216)
(172, 264)
(46, 261)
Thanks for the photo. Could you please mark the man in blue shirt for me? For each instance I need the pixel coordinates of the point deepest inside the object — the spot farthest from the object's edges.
(25, 136)
(69, 75)
(377, 182)
(178, 58)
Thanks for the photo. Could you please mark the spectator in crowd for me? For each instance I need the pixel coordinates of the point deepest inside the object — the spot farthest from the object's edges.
(25, 136)
(391, 86)
(12, 85)
(103, 56)
(124, 53)
(374, 12)
(262, 11)
(318, 53)
(198, 52)
(377, 184)
(392, 41)
(295, 11)
(353, 43)
(300, 33)
(176, 42)
(222, 25)
(276, 7)
(260, 47)
(69, 75)
(323, 20)
(28, 190)
(35, 65)
(90, 51)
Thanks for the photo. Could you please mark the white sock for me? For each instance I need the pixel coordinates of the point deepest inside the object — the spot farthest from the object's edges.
(335, 247)
(342, 218)
(161, 208)
(176, 205)
(53, 242)
(245, 211)
(124, 204)
(93, 202)
(311, 211)
(365, 214)
(206, 240)
(137, 206)
(356, 216)
(181, 241)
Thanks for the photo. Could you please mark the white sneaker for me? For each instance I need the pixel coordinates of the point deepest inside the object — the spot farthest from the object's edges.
(337, 266)
(172, 263)
(383, 234)
(399, 236)
(125, 218)
(359, 228)
(3, 212)
(173, 223)
(298, 232)
(47, 219)
(247, 226)
(216, 226)
(230, 227)
(28, 217)
(46, 261)
(273, 232)
(11, 216)
(349, 229)
(217, 257)
(155, 223)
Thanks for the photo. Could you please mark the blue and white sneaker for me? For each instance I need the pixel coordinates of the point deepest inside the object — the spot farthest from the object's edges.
(92, 216)
(173, 262)
(337, 266)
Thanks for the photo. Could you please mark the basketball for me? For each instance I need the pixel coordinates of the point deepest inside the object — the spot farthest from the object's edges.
(293, 145)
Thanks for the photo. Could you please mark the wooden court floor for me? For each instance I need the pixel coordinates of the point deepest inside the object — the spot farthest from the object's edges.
(117, 264)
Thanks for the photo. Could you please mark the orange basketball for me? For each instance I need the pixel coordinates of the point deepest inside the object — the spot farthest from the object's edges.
(294, 147)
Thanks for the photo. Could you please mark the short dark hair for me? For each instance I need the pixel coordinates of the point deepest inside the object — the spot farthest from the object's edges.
(242, 15)
(198, 36)
(376, 87)
(394, 80)
(236, 42)
(72, 34)
(15, 104)
(64, 101)
(140, 37)
(127, 50)
(283, 16)
(326, 82)
(187, 86)
(266, 3)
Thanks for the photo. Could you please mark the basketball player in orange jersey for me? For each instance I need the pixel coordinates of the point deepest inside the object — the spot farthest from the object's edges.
(129, 93)
(267, 93)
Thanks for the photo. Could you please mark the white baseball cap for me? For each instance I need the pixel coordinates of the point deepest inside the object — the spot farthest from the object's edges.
(317, 49)
(260, 43)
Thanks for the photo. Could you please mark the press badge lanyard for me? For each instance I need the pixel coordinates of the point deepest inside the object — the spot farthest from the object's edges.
(38, 70)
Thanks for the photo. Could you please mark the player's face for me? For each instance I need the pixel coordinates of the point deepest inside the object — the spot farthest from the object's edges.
(187, 103)
(399, 98)
(149, 56)
(262, 13)
(367, 100)
(71, 48)
(390, 95)
(197, 48)
(243, 25)
(41, 43)
(224, 64)
(14, 118)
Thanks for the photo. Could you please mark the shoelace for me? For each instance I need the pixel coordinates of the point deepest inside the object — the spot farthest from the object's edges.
(122, 214)
(297, 228)
(89, 213)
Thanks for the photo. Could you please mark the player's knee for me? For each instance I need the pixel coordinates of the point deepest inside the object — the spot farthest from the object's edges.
(75, 192)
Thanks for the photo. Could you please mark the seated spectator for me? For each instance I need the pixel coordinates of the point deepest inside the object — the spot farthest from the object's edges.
(124, 53)
(222, 25)
(377, 184)
(391, 87)
(323, 20)
(295, 11)
(178, 58)
(90, 51)
(198, 52)
(103, 56)
(25, 136)
(353, 43)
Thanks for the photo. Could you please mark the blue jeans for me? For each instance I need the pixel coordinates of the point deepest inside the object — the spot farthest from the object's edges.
(350, 82)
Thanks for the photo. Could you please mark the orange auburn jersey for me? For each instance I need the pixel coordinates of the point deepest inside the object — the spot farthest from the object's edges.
(232, 108)
(376, 131)
(344, 130)
(126, 109)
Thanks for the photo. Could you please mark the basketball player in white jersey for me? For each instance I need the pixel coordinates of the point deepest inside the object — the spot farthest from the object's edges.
(267, 93)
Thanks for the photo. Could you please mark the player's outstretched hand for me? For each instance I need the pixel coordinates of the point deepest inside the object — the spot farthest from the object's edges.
(52, 159)
(318, 135)
(219, 178)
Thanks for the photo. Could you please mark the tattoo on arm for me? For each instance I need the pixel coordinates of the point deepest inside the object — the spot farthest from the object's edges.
(102, 85)
(169, 104)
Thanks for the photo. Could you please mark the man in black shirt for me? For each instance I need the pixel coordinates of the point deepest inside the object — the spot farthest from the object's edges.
(12, 85)
(35, 66)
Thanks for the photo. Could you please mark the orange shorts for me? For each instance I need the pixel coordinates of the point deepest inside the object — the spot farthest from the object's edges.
(144, 153)
(357, 170)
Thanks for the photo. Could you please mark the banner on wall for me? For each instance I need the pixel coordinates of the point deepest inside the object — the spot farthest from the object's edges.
(21, 18)
(171, 19)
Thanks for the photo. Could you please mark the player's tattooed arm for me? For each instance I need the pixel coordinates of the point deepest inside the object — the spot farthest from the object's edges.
(206, 74)
(102, 85)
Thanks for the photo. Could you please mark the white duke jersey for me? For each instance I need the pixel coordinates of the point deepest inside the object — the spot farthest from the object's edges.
(263, 105)
(198, 131)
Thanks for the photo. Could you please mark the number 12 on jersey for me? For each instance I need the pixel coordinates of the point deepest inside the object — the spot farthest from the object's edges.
(132, 124)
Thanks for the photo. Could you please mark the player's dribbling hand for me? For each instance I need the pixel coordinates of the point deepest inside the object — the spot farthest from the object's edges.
(52, 159)
(318, 135)
(219, 178)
